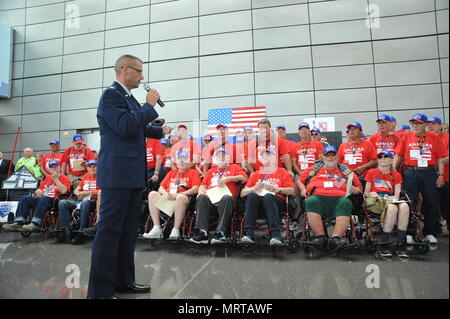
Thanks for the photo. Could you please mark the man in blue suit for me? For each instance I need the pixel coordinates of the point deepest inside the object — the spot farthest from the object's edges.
(121, 173)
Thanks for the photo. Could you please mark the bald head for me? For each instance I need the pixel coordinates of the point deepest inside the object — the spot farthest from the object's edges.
(126, 60)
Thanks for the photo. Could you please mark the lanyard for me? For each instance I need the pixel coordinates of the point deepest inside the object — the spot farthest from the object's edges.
(221, 174)
(384, 182)
(353, 148)
(421, 141)
(303, 148)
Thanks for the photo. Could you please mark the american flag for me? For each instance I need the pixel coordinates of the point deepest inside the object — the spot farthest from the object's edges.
(235, 118)
(338, 181)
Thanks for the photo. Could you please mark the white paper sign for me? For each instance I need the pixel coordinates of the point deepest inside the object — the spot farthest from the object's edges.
(324, 124)
(215, 194)
(165, 205)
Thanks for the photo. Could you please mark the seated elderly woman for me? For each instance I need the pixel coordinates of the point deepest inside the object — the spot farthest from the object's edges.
(381, 182)
(180, 184)
(267, 188)
(46, 195)
(326, 197)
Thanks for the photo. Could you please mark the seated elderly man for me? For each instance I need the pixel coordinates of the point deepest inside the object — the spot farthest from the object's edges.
(87, 192)
(179, 185)
(224, 175)
(267, 188)
(325, 194)
(28, 160)
(49, 190)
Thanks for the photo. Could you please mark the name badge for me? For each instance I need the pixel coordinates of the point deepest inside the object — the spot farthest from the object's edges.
(167, 164)
(348, 157)
(422, 162)
(414, 153)
(328, 184)
(303, 166)
(352, 161)
(214, 181)
(301, 158)
(173, 189)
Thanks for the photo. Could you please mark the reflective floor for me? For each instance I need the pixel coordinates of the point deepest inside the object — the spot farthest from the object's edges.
(37, 267)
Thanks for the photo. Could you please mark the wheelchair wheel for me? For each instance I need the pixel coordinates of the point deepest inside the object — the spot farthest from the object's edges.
(248, 247)
(25, 233)
(371, 247)
(423, 247)
(293, 246)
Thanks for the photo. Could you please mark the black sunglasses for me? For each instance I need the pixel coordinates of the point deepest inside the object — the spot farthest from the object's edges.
(314, 134)
(383, 156)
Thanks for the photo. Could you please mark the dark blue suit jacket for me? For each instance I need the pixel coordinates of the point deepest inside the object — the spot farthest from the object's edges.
(124, 125)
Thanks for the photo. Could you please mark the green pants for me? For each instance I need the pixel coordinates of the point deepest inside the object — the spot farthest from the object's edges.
(331, 206)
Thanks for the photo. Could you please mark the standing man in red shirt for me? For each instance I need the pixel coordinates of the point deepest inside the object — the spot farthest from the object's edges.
(358, 154)
(306, 151)
(423, 153)
(74, 156)
(155, 171)
(385, 138)
(435, 125)
(54, 154)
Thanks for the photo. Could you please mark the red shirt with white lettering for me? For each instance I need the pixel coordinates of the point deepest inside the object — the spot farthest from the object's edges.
(71, 154)
(153, 148)
(386, 141)
(306, 153)
(421, 150)
(383, 183)
(175, 179)
(50, 157)
(328, 182)
(50, 188)
(280, 178)
(212, 175)
(89, 183)
(355, 155)
(279, 148)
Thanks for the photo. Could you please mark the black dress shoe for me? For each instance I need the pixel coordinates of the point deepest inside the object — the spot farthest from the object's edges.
(134, 288)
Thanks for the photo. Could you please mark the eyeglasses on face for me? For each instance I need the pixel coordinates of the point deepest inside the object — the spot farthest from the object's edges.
(330, 154)
(314, 134)
(383, 156)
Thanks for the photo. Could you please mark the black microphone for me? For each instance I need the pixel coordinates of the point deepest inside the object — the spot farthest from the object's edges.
(148, 88)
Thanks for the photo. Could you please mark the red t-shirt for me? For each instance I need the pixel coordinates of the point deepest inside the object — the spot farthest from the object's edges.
(355, 155)
(50, 188)
(213, 174)
(279, 148)
(432, 149)
(166, 159)
(444, 138)
(189, 146)
(279, 178)
(328, 182)
(50, 157)
(89, 183)
(383, 183)
(386, 141)
(153, 148)
(175, 179)
(211, 158)
(84, 154)
(306, 153)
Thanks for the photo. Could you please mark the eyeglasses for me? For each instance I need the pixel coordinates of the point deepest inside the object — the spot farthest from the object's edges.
(383, 156)
(314, 134)
(206, 140)
(329, 154)
(137, 70)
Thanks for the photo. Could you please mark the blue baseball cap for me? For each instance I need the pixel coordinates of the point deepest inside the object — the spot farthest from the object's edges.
(173, 133)
(386, 152)
(328, 149)
(418, 117)
(54, 141)
(435, 119)
(393, 119)
(248, 128)
(355, 124)
(281, 126)
(315, 129)
(91, 162)
(53, 162)
(384, 118)
(164, 141)
(77, 138)
(405, 127)
(303, 124)
(183, 154)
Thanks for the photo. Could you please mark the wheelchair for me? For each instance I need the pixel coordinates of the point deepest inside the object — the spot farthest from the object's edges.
(289, 231)
(49, 221)
(372, 225)
(352, 234)
(167, 223)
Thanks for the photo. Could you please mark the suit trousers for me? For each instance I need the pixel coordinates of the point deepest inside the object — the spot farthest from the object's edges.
(112, 261)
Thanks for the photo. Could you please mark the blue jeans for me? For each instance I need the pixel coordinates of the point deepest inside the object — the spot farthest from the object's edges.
(271, 205)
(66, 208)
(424, 181)
(40, 205)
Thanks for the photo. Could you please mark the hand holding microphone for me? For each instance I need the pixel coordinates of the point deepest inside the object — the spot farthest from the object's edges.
(152, 96)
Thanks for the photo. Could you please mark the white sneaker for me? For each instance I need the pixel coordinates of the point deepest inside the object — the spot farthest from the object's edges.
(410, 240)
(431, 239)
(174, 234)
(155, 233)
